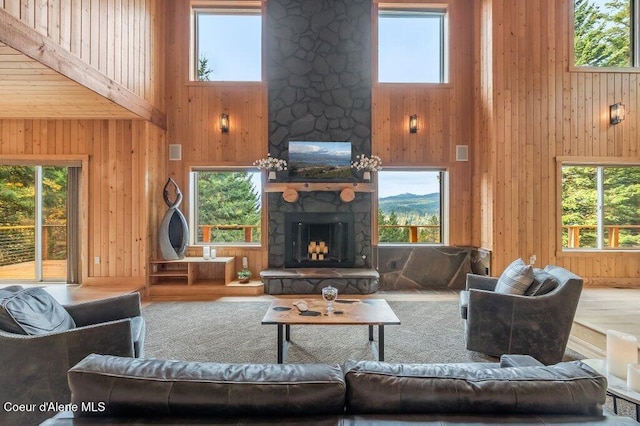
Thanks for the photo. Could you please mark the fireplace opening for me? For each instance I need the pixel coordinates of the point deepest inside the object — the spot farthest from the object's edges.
(319, 240)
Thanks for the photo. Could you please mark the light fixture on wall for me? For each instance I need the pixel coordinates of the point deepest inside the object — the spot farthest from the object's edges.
(224, 123)
(616, 113)
(413, 123)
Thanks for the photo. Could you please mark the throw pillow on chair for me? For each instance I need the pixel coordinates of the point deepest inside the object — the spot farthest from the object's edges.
(515, 279)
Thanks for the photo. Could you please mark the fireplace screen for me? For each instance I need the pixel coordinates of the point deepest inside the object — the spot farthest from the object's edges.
(320, 240)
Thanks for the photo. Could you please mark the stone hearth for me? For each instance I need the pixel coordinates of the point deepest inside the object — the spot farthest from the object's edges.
(312, 280)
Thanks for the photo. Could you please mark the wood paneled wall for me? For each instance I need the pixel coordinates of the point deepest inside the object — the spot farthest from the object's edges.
(193, 109)
(124, 39)
(125, 173)
(446, 120)
(533, 108)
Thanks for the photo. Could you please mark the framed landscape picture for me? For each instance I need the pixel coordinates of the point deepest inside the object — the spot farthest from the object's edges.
(326, 161)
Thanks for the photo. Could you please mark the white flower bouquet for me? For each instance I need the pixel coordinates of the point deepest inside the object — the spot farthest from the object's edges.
(271, 164)
(368, 164)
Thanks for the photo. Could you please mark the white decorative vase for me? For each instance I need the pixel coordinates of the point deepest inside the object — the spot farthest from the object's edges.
(367, 176)
(272, 175)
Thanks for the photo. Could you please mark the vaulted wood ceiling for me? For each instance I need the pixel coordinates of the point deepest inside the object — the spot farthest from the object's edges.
(29, 89)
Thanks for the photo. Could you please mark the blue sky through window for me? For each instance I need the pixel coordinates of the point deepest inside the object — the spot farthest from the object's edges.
(396, 182)
(409, 48)
(232, 45)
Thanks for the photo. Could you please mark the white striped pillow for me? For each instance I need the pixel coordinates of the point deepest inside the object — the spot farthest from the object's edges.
(515, 279)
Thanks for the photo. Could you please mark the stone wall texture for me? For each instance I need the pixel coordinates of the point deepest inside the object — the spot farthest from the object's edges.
(318, 66)
(429, 267)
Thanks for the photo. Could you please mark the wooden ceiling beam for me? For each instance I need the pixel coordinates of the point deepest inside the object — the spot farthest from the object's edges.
(26, 40)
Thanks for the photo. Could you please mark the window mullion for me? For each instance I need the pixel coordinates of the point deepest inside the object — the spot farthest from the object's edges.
(600, 207)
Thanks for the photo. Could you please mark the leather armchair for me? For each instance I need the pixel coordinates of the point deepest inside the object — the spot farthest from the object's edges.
(34, 368)
(497, 324)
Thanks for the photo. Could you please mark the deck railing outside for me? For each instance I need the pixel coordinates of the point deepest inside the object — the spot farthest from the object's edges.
(612, 232)
(17, 243)
(247, 229)
(414, 234)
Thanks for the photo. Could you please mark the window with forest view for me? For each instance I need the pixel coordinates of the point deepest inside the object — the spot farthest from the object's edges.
(600, 207)
(604, 33)
(226, 207)
(228, 44)
(33, 222)
(410, 206)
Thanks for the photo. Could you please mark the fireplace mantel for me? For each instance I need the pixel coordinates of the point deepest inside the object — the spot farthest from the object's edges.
(316, 186)
(290, 190)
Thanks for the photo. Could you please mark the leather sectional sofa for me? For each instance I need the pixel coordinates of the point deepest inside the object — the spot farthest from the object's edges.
(518, 390)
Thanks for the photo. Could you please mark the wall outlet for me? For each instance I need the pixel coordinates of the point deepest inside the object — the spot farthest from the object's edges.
(96, 260)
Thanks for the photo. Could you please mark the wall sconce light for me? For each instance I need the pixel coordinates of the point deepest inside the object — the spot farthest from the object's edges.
(413, 123)
(616, 113)
(224, 123)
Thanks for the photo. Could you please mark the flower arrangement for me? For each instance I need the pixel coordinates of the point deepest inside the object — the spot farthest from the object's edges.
(271, 163)
(368, 164)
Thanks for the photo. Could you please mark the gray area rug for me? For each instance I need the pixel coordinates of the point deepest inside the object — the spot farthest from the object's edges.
(232, 332)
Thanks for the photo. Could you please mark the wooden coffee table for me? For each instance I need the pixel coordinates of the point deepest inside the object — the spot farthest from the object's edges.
(370, 312)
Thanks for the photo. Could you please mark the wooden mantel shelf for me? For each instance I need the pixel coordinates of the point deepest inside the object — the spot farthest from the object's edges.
(327, 186)
(290, 190)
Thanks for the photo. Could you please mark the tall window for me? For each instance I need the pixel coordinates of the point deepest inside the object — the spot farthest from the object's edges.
(37, 218)
(410, 206)
(226, 207)
(600, 207)
(606, 33)
(411, 45)
(228, 44)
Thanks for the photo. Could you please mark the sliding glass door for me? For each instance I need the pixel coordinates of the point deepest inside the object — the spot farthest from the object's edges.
(33, 223)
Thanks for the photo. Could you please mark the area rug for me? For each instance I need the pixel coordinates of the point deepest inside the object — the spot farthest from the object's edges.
(431, 331)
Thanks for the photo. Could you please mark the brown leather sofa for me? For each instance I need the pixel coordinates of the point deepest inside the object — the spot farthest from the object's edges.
(519, 390)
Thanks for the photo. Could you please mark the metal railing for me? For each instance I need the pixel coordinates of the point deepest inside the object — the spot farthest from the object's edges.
(17, 243)
(612, 231)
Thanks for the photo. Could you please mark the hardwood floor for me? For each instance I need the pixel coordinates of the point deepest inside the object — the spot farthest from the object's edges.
(599, 310)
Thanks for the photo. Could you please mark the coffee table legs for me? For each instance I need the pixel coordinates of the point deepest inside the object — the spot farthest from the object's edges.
(284, 336)
(378, 350)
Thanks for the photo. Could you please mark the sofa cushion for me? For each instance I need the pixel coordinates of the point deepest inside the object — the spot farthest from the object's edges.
(515, 279)
(543, 283)
(127, 386)
(384, 388)
(32, 311)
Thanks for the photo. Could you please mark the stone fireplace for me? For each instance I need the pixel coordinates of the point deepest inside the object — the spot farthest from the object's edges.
(318, 68)
(318, 71)
(319, 240)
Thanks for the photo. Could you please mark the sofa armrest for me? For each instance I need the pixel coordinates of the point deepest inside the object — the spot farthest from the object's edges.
(104, 310)
(519, 361)
(481, 282)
